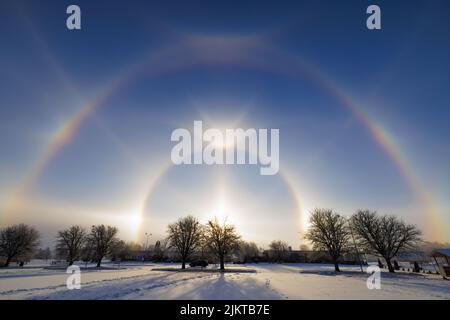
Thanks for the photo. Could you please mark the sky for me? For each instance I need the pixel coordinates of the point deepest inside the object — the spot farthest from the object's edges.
(86, 115)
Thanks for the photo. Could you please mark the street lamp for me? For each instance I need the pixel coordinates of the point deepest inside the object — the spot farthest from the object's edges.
(147, 237)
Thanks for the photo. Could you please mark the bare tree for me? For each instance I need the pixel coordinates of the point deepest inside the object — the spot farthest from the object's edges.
(383, 236)
(279, 249)
(221, 239)
(87, 252)
(304, 247)
(125, 250)
(185, 236)
(70, 243)
(329, 232)
(102, 240)
(160, 250)
(43, 254)
(17, 240)
(119, 251)
(248, 251)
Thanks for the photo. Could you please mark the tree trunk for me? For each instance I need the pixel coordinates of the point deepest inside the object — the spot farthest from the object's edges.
(389, 264)
(99, 262)
(336, 267)
(183, 265)
(222, 263)
(7, 262)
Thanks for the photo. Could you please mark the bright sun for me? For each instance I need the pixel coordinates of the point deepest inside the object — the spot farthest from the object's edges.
(222, 208)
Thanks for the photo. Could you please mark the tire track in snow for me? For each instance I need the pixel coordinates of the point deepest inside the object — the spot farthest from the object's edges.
(60, 286)
(119, 290)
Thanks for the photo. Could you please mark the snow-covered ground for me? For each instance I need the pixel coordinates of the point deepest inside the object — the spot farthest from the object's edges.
(267, 281)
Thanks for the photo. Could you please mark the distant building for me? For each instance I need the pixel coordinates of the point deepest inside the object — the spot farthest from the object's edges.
(305, 256)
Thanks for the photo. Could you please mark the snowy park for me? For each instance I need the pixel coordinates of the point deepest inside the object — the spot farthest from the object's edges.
(150, 281)
(225, 150)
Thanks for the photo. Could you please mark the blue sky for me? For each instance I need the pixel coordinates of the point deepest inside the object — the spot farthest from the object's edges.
(232, 64)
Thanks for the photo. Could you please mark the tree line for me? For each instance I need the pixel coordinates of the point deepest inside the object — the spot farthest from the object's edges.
(365, 232)
(75, 243)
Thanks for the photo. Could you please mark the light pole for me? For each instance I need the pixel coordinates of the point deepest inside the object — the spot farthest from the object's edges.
(147, 237)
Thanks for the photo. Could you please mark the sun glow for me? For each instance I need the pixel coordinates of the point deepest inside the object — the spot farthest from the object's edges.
(223, 209)
(132, 219)
(224, 145)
